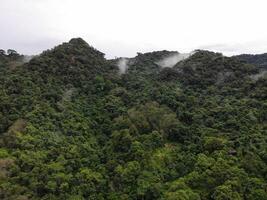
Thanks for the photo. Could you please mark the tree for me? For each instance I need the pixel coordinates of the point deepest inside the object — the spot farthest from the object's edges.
(12, 52)
(2, 52)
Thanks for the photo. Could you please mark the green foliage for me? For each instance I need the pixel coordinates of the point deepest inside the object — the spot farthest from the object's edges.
(72, 127)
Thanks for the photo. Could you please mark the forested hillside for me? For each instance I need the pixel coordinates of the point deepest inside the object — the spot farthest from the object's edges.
(258, 59)
(73, 127)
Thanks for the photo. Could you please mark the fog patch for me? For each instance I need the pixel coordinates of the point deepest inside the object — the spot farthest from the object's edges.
(172, 60)
(256, 77)
(66, 97)
(27, 58)
(222, 77)
(123, 65)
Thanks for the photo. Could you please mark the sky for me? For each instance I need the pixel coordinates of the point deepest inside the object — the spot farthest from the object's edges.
(120, 28)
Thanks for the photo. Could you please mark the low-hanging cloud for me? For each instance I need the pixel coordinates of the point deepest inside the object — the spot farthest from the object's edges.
(27, 58)
(261, 74)
(170, 61)
(123, 65)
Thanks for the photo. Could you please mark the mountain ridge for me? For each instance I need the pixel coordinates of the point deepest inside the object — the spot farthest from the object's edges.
(73, 126)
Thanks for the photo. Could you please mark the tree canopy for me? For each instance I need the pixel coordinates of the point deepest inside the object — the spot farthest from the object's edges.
(73, 128)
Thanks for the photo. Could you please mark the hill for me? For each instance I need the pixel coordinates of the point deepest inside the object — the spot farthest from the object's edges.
(73, 125)
(259, 59)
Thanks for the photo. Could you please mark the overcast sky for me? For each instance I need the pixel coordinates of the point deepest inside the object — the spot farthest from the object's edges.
(124, 27)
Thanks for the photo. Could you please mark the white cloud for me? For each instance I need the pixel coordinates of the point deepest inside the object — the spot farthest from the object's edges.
(171, 60)
(258, 46)
(124, 27)
(123, 65)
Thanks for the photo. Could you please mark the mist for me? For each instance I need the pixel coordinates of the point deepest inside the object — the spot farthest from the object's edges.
(256, 77)
(172, 60)
(27, 58)
(123, 65)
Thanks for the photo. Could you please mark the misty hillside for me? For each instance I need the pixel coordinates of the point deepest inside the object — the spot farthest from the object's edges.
(161, 125)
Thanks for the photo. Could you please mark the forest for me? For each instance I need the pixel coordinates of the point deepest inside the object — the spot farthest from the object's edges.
(73, 127)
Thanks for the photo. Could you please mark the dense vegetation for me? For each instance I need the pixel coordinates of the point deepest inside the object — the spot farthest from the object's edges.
(72, 127)
(259, 59)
